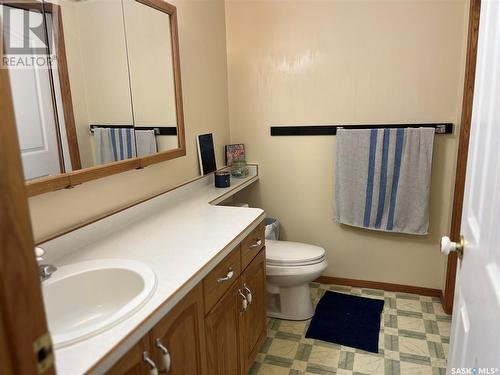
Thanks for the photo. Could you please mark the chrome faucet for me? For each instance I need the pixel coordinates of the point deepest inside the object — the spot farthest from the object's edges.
(45, 270)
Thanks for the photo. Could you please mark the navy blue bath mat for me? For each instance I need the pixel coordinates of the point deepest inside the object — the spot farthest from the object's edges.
(347, 320)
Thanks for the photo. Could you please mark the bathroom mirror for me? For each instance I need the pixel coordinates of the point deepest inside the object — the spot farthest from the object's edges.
(109, 97)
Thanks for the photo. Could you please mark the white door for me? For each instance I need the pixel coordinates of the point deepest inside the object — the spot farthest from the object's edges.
(475, 335)
(32, 100)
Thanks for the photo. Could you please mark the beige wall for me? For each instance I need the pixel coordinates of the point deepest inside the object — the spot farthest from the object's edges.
(305, 62)
(204, 84)
(341, 62)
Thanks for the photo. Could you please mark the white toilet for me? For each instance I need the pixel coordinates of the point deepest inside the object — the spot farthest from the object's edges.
(291, 266)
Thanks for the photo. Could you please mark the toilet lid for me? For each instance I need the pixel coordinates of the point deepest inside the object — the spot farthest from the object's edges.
(284, 253)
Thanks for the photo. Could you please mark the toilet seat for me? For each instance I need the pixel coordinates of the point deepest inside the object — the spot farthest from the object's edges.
(293, 254)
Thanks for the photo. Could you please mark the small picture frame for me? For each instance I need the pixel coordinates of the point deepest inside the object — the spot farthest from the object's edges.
(235, 152)
(206, 153)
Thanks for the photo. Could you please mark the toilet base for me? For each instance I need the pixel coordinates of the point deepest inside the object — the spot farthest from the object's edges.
(290, 303)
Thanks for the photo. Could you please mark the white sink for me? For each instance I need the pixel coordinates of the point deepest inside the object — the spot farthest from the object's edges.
(87, 298)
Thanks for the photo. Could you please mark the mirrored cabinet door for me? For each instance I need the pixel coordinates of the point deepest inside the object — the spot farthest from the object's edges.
(97, 73)
(149, 46)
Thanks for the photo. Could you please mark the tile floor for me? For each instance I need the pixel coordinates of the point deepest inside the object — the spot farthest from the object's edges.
(414, 338)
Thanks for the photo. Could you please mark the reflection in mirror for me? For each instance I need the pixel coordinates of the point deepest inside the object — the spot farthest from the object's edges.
(149, 46)
(29, 74)
(110, 90)
(120, 68)
(97, 73)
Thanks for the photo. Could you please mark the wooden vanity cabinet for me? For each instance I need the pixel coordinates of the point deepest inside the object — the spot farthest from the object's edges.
(132, 363)
(217, 328)
(222, 326)
(181, 335)
(236, 326)
(253, 320)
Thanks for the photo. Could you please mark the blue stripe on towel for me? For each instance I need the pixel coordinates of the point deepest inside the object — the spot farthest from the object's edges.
(383, 178)
(395, 179)
(371, 173)
(113, 143)
(120, 137)
(129, 143)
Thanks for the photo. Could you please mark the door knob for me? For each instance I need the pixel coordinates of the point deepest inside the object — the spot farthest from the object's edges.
(447, 246)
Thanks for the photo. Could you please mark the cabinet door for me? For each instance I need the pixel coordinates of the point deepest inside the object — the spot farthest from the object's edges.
(132, 363)
(179, 338)
(223, 330)
(253, 320)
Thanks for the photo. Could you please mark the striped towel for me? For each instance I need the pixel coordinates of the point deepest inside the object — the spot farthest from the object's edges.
(382, 179)
(114, 144)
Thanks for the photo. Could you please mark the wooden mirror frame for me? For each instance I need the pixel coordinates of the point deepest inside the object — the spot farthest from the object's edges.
(77, 177)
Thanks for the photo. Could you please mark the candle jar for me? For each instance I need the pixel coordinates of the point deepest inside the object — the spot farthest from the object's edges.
(222, 179)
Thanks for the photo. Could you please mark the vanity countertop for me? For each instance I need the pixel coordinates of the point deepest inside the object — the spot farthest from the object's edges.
(181, 235)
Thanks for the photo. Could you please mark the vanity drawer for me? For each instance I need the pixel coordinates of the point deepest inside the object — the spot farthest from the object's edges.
(218, 281)
(252, 244)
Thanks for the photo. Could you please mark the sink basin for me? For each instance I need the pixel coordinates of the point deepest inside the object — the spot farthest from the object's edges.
(87, 298)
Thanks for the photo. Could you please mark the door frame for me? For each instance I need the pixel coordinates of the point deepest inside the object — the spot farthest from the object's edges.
(22, 313)
(64, 84)
(463, 148)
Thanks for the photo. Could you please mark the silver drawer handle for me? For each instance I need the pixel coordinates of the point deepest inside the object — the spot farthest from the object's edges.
(152, 366)
(258, 243)
(249, 294)
(229, 276)
(167, 360)
(244, 301)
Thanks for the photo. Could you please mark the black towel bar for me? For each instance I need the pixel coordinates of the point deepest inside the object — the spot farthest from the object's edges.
(159, 130)
(441, 128)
